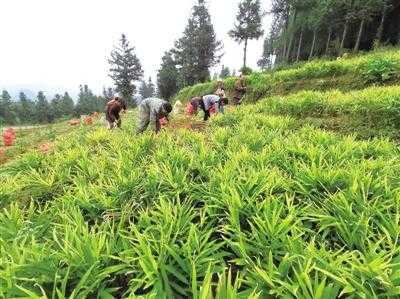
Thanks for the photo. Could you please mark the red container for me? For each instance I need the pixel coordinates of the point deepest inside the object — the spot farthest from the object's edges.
(212, 109)
(189, 109)
(163, 121)
(88, 120)
(8, 137)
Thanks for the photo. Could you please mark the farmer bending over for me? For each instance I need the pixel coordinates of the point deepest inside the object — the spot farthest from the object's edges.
(113, 108)
(205, 103)
(151, 110)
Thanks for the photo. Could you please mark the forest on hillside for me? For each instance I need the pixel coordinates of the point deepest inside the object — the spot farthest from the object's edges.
(305, 29)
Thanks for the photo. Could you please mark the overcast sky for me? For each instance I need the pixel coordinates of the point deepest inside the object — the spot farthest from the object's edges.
(60, 44)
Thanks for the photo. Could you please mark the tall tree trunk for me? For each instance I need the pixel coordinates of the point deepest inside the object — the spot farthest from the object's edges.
(346, 28)
(360, 32)
(284, 50)
(245, 53)
(292, 34)
(379, 34)
(285, 37)
(300, 45)
(328, 41)
(313, 44)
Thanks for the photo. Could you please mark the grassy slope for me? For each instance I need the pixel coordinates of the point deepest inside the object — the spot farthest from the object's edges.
(319, 75)
(285, 208)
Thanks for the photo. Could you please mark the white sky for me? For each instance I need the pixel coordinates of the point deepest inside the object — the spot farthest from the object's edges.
(61, 44)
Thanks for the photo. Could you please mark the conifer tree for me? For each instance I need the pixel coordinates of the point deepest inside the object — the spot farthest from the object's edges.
(125, 69)
(147, 90)
(42, 109)
(67, 105)
(268, 51)
(198, 49)
(26, 109)
(249, 24)
(225, 72)
(167, 77)
(7, 115)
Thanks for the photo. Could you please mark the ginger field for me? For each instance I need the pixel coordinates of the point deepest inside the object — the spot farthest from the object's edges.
(256, 205)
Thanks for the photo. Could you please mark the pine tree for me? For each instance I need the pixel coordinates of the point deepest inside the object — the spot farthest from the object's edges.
(7, 115)
(87, 101)
(167, 77)
(56, 106)
(125, 69)
(225, 72)
(249, 24)
(147, 90)
(67, 105)
(198, 49)
(268, 51)
(108, 93)
(42, 109)
(26, 109)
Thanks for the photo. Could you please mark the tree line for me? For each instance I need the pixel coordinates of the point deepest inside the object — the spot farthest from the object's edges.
(188, 62)
(24, 110)
(305, 29)
(301, 30)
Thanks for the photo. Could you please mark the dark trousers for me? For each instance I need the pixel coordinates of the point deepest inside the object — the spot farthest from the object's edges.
(112, 118)
(206, 112)
(237, 101)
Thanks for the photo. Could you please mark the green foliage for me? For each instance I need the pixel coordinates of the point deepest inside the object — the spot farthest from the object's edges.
(246, 71)
(257, 206)
(88, 102)
(6, 108)
(147, 90)
(248, 24)
(125, 68)
(167, 77)
(198, 49)
(225, 72)
(320, 74)
(380, 70)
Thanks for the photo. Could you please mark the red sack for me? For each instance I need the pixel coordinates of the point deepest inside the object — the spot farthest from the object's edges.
(189, 109)
(88, 120)
(8, 137)
(74, 122)
(163, 121)
(212, 109)
(10, 131)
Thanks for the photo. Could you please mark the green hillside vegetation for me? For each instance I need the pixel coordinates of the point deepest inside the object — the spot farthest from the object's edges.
(353, 72)
(294, 196)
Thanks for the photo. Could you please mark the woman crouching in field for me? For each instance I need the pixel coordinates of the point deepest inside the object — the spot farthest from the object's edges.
(113, 108)
(206, 103)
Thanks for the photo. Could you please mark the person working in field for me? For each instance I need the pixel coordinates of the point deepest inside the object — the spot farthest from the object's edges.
(240, 90)
(113, 108)
(151, 110)
(221, 93)
(206, 103)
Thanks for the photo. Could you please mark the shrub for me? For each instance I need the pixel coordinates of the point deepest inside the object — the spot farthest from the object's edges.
(379, 70)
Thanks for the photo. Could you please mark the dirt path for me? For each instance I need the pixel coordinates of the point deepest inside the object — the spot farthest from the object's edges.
(25, 127)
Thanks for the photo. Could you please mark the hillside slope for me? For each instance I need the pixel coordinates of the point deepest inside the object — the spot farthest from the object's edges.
(346, 74)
